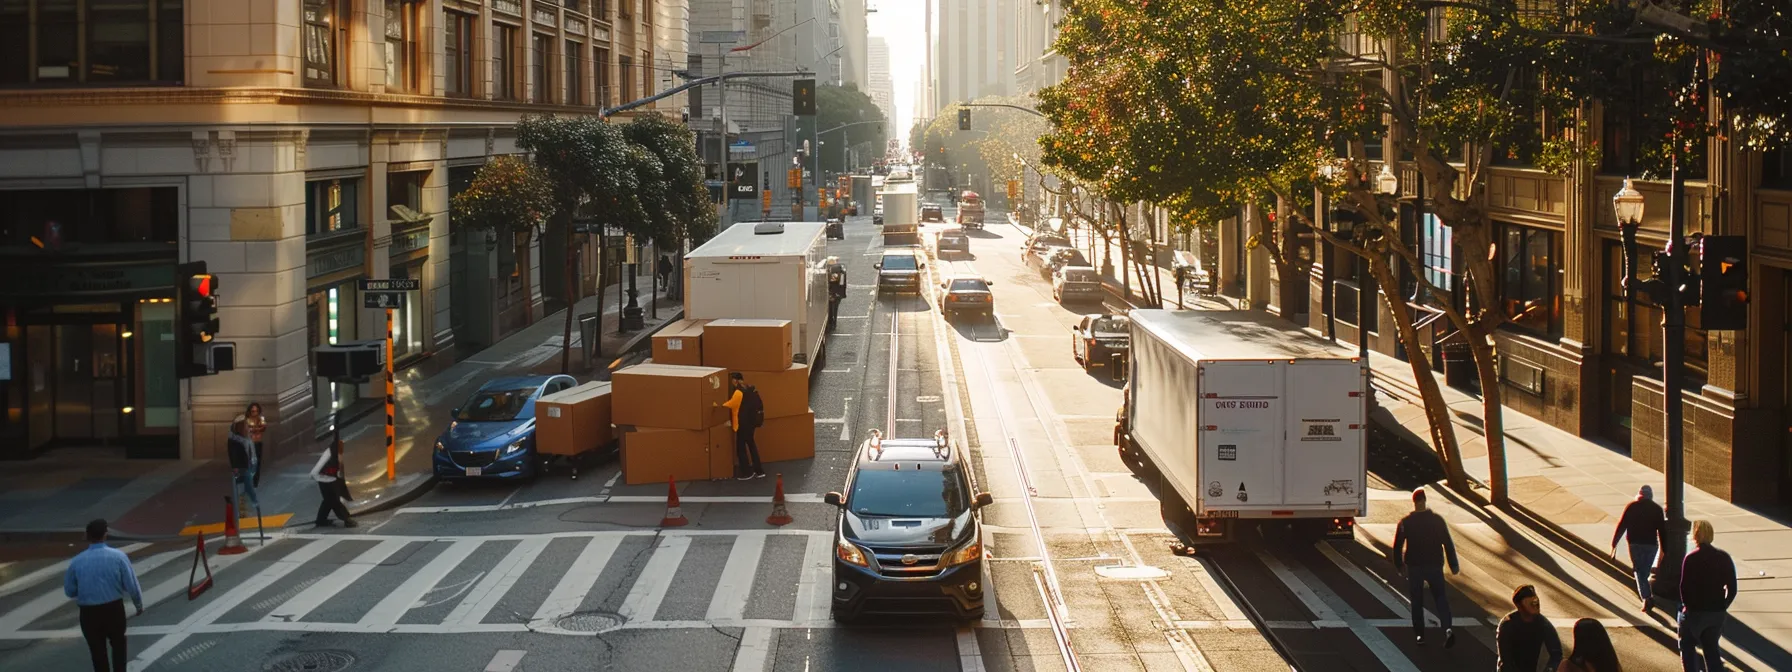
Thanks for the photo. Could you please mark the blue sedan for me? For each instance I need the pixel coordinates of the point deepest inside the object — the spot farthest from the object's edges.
(493, 434)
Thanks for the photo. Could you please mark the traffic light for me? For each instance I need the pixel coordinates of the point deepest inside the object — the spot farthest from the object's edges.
(1013, 190)
(197, 316)
(964, 118)
(802, 96)
(1723, 275)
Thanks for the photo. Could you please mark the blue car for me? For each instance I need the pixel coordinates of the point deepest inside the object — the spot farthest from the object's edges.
(493, 434)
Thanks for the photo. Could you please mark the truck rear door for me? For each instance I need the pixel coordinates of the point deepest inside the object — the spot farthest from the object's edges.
(1325, 434)
(1241, 425)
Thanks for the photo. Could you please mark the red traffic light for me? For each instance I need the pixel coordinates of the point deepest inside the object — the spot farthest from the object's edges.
(203, 285)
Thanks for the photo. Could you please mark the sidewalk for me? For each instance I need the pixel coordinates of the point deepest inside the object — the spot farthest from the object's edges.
(53, 497)
(1575, 489)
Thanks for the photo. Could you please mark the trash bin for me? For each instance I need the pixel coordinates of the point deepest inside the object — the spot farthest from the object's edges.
(1459, 364)
(589, 323)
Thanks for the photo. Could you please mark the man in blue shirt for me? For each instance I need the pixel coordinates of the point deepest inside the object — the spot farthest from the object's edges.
(99, 579)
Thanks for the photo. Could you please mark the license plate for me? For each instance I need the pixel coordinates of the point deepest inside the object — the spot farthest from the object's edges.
(475, 471)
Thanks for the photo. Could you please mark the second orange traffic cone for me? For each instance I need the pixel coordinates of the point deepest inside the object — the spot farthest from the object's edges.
(674, 516)
(233, 544)
(780, 512)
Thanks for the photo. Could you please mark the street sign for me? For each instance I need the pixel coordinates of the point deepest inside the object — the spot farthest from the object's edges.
(743, 180)
(382, 300)
(741, 147)
(721, 36)
(391, 285)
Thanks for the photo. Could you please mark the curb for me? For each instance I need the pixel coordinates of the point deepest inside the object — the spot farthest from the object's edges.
(395, 501)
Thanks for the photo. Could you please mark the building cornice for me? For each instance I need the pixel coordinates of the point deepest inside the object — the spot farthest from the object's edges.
(18, 101)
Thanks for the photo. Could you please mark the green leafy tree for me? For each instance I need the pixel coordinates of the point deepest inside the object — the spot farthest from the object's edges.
(841, 105)
(686, 213)
(508, 196)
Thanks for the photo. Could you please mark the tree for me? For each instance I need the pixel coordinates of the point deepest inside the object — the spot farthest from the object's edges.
(508, 196)
(685, 212)
(841, 105)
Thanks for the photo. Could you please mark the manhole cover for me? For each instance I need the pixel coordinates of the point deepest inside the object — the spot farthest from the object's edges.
(589, 621)
(312, 661)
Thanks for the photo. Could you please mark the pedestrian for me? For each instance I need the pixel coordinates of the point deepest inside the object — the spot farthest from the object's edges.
(836, 290)
(1422, 544)
(1593, 650)
(1525, 634)
(331, 487)
(664, 271)
(1642, 522)
(241, 451)
(99, 578)
(746, 413)
(258, 427)
(1707, 587)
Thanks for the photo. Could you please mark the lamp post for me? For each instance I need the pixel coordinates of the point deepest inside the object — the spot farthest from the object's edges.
(1387, 184)
(1668, 289)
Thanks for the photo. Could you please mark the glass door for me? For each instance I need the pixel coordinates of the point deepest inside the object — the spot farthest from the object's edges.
(74, 382)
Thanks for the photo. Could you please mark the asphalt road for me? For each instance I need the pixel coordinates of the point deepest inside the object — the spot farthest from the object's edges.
(561, 574)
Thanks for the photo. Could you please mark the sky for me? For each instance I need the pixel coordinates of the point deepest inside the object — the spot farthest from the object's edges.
(900, 23)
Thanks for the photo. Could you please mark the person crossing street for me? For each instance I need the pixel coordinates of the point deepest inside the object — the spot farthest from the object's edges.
(99, 579)
(1642, 522)
(1422, 545)
(332, 487)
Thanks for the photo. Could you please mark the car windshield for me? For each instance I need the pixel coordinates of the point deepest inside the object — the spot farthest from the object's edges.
(885, 490)
(495, 405)
(1110, 325)
(1079, 275)
(899, 262)
(969, 285)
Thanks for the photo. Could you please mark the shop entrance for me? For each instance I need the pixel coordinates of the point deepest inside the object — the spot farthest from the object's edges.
(78, 375)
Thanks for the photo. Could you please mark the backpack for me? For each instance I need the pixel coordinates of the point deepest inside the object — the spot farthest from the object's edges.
(752, 408)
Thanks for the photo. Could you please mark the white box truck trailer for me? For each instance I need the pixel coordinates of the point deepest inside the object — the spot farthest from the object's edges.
(1244, 419)
(764, 270)
(902, 213)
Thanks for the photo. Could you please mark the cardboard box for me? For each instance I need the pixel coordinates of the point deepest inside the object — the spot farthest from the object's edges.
(788, 438)
(573, 421)
(680, 343)
(784, 393)
(668, 396)
(748, 345)
(652, 454)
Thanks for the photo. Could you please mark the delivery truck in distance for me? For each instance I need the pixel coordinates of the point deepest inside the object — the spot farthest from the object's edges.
(1243, 420)
(764, 270)
(902, 213)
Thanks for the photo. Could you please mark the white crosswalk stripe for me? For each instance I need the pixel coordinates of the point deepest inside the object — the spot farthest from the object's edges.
(483, 597)
(388, 611)
(570, 592)
(643, 600)
(320, 592)
(736, 582)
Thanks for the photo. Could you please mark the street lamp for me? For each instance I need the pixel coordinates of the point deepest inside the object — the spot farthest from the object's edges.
(1387, 183)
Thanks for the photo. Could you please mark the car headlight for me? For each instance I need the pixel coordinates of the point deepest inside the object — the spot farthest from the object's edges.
(441, 448)
(963, 554)
(849, 552)
(515, 446)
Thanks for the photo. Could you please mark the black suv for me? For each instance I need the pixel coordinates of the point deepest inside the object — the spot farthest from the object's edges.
(909, 540)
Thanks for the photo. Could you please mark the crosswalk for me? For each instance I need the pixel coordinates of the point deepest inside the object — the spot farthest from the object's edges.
(578, 583)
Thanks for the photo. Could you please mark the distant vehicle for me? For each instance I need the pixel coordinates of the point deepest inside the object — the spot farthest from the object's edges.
(966, 294)
(900, 271)
(1076, 283)
(910, 538)
(932, 213)
(1097, 339)
(1033, 251)
(492, 435)
(970, 210)
(953, 239)
(836, 230)
(1060, 257)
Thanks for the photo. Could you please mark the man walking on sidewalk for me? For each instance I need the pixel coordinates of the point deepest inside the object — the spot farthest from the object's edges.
(99, 579)
(663, 272)
(1421, 546)
(1525, 634)
(746, 413)
(1707, 587)
(1642, 522)
(836, 290)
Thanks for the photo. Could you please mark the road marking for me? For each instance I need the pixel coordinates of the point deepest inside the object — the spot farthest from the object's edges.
(505, 660)
(485, 595)
(42, 605)
(970, 654)
(243, 525)
(736, 581)
(754, 651)
(393, 606)
(178, 585)
(326, 588)
(1379, 591)
(54, 569)
(814, 596)
(570, 592)
(643, 600)
(247, 589)
(797, 498)
(1328, 606)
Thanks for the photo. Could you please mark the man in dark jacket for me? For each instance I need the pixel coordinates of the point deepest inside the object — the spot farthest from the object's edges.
(1707, 587)
(1422, 544)
(836, 289)
(1642, 522)
(1525, 633)
(663, 271)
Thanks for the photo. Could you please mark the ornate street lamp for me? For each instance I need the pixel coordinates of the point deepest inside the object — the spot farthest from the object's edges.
(1387, 183)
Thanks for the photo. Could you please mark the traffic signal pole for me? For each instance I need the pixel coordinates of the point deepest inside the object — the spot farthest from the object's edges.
(391, 426)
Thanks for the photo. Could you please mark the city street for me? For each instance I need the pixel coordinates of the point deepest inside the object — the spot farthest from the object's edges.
(576, 574)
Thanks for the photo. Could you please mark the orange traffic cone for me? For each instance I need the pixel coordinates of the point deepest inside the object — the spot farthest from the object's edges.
(780, 512)
(233, 544)
(674, 517)
(195, 590)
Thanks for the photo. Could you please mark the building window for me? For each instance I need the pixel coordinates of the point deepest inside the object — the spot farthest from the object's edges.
(401, 46)
(1776, 169)
(332, 205)
(575, 73)
(646, 73)
(1436, 252)
(1634, 325)
(600, 65)
(406, 189)
(56, 42)
(326, 31)
(52, 219)
(541, 49)
(627, 66)
(1531, 284)
(503, 62)
(457, 46)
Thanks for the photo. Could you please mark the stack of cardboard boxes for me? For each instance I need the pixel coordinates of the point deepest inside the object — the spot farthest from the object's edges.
(672, 425)
(760, 350)
(574, 421)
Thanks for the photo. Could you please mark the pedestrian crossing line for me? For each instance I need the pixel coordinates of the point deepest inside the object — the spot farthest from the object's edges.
(1379, 591)
(47, 602)
(754, 652)
(796, 498)
(814, 594)
(505, 661)
(570, 592)
(327, 587)
(1320, 600)
(392, 607)
(183, 632)
(735, 584)
(497, 582)
(582, 534)
(650, 587)
(53, 569)
(209, 613)
(177, 585)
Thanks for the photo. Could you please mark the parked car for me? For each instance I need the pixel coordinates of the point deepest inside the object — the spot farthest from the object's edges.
(836, 230)
(932, 213)
(1076, 283)
(1096, 339)
(953, 239)
(1034, 250)
(492, 435)
(909, 535)
(966, 294)
(900, 271)
(1061, 257)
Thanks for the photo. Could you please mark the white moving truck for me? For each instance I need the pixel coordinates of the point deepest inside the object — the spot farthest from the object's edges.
(764, 270)
(1244, 419)
(902, 213)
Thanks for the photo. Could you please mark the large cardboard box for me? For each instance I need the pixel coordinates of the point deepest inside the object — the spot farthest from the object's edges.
(784, 393)
(573, 421)
(680, 343)
(748, 345)
(791, 437)
(652, 454)
(668, 396)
